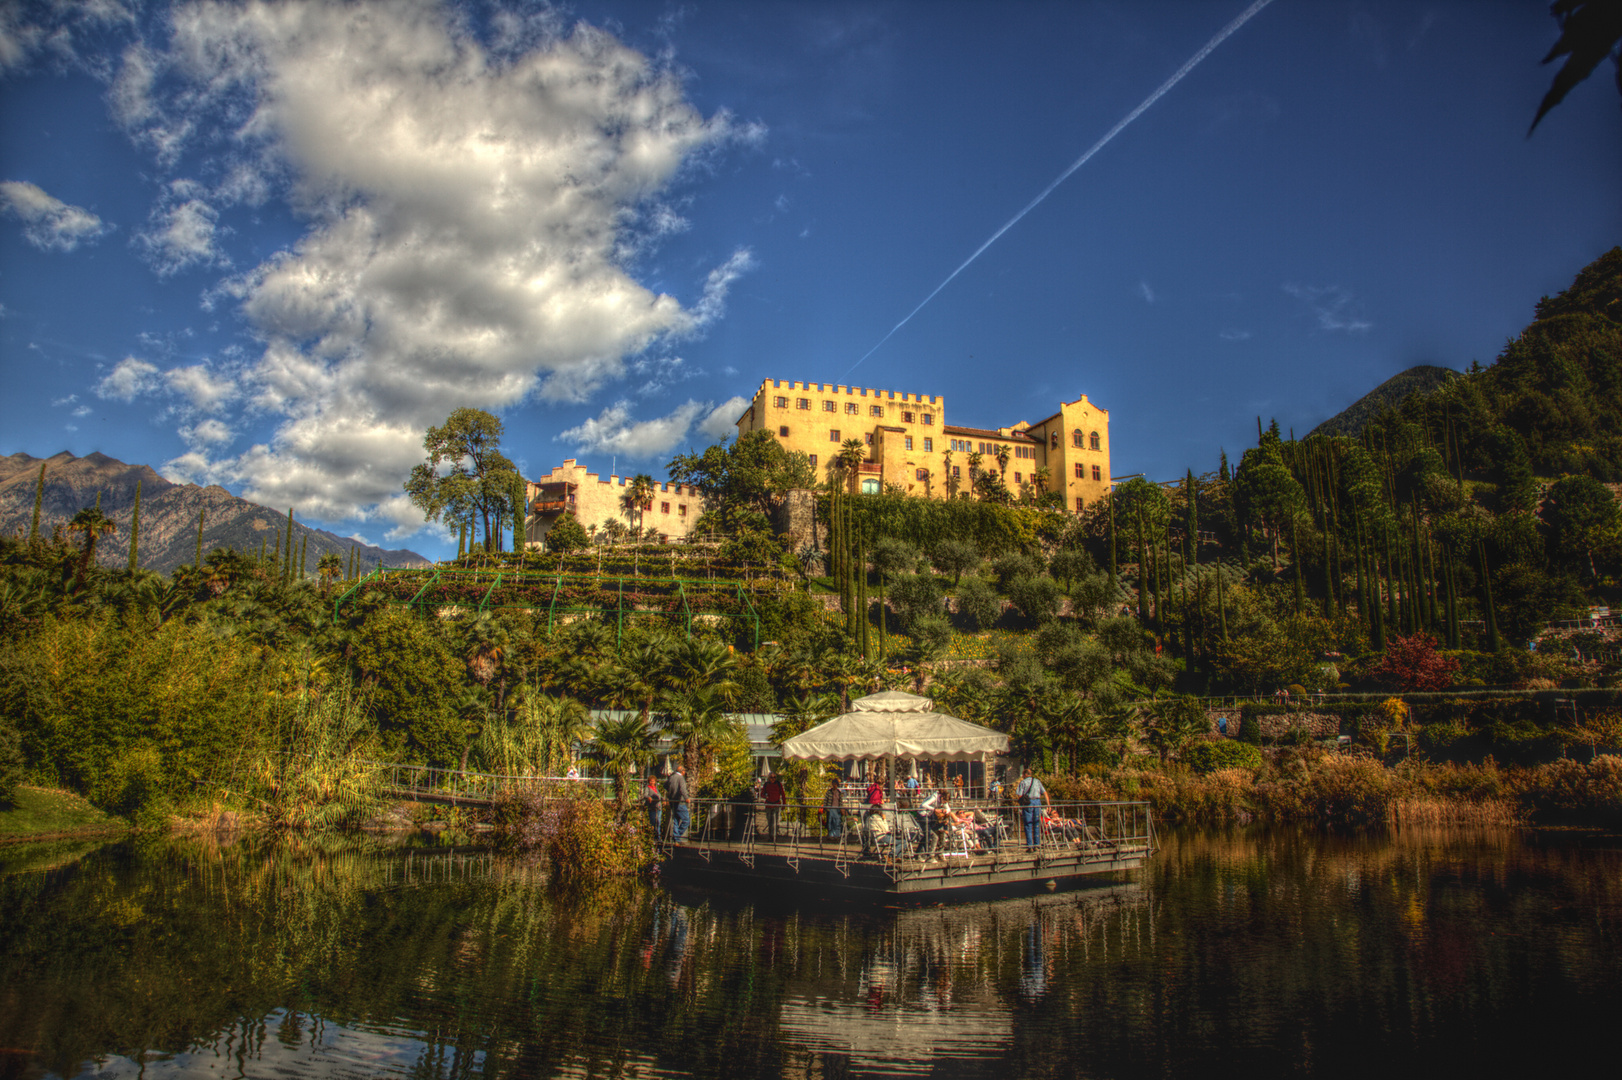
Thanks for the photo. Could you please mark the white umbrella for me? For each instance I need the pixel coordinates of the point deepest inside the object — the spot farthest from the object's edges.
(894, 724)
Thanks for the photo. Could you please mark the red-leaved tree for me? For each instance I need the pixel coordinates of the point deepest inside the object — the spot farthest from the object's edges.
(1412, 663)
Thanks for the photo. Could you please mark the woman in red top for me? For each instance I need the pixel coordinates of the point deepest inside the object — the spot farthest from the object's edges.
(773, 794)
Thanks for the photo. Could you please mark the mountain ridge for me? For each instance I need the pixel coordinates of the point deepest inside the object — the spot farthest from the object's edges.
(169, 513)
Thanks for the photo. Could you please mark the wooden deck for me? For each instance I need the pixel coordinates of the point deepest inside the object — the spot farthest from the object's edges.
(819, 864)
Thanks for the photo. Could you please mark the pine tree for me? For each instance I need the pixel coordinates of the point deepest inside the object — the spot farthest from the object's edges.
(287, 559)
(39, 499)
(135, 527)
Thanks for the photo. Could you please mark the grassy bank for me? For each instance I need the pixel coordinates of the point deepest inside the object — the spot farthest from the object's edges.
(47, 812)
(1311, 786)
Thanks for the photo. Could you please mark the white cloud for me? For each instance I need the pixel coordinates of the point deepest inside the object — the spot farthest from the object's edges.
(613, 431)
(1147, 293)
(129, 379)
(1234, 335)
(1335, 308)
(49, 223)
(208, 432)
(470, 212)
(204, 390)
(82, 410)
(61, 401)
(723, 420)
(183, 232)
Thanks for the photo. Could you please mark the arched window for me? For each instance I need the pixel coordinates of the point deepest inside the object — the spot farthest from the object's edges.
(1054, 441)
(1093, 440)
(1075, 439)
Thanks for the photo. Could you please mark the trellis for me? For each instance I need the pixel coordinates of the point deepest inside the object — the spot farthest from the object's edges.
(693, 598)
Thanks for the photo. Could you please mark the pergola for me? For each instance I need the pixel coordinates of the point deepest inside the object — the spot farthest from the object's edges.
(893, 724)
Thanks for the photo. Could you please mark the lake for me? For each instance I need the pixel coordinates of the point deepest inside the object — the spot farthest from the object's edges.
(1259, 952)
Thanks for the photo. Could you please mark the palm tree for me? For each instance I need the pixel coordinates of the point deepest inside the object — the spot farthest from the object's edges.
(621, 746)
(330, 567)
(638, 497)
(852, 452)
(94, 524)
(554, 725)
(1001, 454)
(699, 662)
(645, 669)
(697, 721)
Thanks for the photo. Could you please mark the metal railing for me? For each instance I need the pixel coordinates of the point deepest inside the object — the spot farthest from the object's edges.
(461, 784)
(905, 841)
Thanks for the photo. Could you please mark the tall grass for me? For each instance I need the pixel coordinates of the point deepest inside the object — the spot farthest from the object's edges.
(314, 770)
(582, 837)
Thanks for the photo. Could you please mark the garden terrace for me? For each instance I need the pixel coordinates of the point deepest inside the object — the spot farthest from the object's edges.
(676, 601)
(688, 561)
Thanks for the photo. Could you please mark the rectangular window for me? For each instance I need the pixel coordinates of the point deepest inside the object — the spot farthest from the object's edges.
(828, 406)
(1018, 479)
(802, 403)
(783, 431)
(780, 402)
(870, 438)
(681, 509)
(929, 445)
(907, 418)
(909, 442)
(813, 461)
(851, 408)
(664, 508)
(1081, 472)
(929, 418)
(1080, 505)
(1096, 475)
(957, 471)
(876, 410)
(833, 434)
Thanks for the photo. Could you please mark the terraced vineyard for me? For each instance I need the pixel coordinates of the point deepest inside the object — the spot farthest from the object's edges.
(678, 602)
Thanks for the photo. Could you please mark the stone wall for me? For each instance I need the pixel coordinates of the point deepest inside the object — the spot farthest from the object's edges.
(1319, 725)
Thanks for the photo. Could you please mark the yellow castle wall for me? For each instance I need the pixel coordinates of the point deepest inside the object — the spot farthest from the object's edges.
(672, 510)
(886, 419)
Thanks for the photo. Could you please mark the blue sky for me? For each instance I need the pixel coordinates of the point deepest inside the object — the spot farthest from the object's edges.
(266, 245)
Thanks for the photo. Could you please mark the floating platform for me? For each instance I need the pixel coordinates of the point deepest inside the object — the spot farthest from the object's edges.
(1116, 837)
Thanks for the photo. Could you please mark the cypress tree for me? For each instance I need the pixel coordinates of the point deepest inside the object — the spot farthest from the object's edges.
(202, 514)
(1296, 568)
(461, 540)
(1222, 605)
(39, 499)
(262, 547)
(1191, 550)
(135, 527)
(1114, 576)
(303, 554)
(287, 556)
(1490, 612)
(1143, 567)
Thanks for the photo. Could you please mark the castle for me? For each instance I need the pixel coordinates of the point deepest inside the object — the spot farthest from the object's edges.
(911, 447)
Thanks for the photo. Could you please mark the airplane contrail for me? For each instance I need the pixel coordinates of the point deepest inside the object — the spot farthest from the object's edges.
(1177, 77)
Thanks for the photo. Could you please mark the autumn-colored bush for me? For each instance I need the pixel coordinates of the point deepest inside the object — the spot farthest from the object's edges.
(581, 835)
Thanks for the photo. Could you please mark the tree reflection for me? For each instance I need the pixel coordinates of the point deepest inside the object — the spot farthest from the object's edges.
(1268, 951)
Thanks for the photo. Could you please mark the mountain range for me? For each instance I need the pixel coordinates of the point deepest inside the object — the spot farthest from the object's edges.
(169, 514)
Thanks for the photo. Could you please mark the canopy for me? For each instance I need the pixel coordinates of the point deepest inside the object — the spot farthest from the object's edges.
(895, 724)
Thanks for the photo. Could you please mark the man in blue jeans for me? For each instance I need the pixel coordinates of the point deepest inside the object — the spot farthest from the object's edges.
(676, 796)
(1031, 796)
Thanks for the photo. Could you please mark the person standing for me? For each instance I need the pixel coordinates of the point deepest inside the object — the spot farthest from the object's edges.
(832, 805)
(676, 795)
(875, 807)
(775, 798)
(652, 803)
(1031, 795)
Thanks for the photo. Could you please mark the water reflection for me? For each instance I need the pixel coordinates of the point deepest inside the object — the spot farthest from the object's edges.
(1272, 952)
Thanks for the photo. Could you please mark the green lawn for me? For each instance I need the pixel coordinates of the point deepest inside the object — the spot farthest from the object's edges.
(48, 811)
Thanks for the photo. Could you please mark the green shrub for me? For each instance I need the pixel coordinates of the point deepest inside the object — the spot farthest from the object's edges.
(11, 759)
(1208, 757)
(1011, 568)
(955, 557)
(1435, 738)
(978, 603)
(915, 596)
(931, 635)
(1038, 598)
